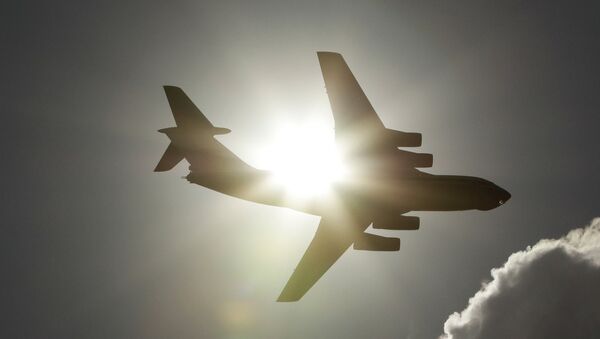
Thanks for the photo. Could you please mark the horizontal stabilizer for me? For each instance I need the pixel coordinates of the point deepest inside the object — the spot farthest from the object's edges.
(170, 158)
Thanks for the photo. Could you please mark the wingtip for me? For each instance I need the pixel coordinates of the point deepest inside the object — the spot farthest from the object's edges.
(290, 294)
(170, 87)
(158, 168)
(326, 53)
(283, 299)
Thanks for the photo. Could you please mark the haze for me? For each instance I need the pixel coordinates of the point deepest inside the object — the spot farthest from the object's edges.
(96, 245)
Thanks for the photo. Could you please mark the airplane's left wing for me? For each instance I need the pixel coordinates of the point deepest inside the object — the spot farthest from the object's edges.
(330, 242)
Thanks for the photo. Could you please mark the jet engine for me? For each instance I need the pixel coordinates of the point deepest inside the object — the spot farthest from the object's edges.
(403, 139)
(373, 242)
(407, 223)
(411, 159)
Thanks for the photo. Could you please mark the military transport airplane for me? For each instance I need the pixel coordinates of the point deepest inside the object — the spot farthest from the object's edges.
(384, 182)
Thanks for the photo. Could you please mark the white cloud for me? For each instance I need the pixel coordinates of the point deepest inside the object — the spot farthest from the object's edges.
(550, 290)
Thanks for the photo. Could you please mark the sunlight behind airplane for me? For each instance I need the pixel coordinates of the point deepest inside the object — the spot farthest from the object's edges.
(380, 182)
(306, 167)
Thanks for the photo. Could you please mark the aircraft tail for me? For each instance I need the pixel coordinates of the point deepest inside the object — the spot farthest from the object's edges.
(170, 158)
(191, 125)
(187, 115)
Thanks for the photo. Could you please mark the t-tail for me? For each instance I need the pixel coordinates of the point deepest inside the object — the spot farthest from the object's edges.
(191, 124)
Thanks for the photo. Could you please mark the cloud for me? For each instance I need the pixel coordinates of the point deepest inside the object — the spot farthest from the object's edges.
(550, 290)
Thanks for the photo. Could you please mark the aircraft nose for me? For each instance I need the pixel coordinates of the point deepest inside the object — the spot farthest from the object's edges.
(504, 196)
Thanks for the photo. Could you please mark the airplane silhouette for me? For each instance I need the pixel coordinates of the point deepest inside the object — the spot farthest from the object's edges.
(384, 182)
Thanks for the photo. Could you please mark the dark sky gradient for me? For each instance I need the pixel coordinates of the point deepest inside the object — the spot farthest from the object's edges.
(93, 244)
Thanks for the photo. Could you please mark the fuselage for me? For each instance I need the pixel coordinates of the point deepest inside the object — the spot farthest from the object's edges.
(396, 192)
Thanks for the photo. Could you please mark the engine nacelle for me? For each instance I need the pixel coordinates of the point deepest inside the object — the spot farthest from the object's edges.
(373, 242)
(407, 223)
(411, 159)
(403, 139)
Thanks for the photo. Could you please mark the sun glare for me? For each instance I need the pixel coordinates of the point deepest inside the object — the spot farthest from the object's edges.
(304, 159)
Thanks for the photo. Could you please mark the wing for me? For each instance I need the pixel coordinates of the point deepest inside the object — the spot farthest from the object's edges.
(349, 103)
(330, 242)
(358, 128)
(359, 132)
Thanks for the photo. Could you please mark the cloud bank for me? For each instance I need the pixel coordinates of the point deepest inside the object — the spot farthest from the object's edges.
(550, 290)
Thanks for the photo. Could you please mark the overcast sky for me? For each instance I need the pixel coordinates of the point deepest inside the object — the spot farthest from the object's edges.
(93, 244)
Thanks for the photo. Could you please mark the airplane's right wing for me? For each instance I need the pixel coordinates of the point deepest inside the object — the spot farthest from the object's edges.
(359, 132)
(331, 240)
(349, 104)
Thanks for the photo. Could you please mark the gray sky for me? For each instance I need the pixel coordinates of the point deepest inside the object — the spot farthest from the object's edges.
(94, 244)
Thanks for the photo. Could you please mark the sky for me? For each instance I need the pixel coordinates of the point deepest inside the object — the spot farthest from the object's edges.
(93, 244)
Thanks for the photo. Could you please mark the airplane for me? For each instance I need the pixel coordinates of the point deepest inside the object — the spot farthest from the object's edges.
(384, 184)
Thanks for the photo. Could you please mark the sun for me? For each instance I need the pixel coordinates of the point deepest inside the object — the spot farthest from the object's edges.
(304, 159)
